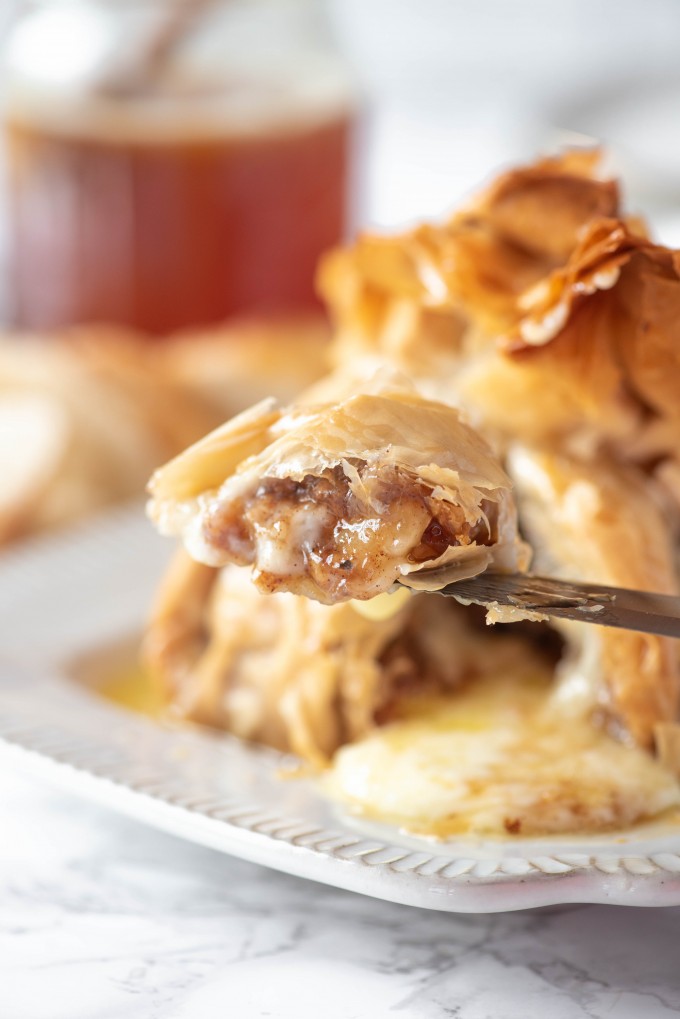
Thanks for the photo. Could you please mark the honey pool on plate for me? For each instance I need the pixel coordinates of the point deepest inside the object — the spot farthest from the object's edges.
(133, 688)
(496, 758)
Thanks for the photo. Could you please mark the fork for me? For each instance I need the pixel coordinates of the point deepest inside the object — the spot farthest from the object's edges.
(587, 603)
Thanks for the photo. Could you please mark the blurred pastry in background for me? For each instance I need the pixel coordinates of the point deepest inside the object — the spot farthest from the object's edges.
(235, 365)
(87, 414)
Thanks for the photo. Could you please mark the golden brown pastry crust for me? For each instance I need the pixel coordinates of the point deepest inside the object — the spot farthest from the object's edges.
(610, 319)
(563, 320)
(417, 293)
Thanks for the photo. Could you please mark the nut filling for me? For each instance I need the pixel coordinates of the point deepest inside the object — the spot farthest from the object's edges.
(342, 534)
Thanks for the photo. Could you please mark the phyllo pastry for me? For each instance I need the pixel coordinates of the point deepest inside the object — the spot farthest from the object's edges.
(343, 500)
(295, 674)
(594, 354)
(412, 297)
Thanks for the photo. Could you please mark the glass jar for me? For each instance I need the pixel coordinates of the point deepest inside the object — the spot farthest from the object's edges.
(170, 162)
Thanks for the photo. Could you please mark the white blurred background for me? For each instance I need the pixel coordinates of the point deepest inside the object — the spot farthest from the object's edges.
(456, 89)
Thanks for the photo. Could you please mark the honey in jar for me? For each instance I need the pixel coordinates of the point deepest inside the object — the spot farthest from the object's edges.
(207, 188)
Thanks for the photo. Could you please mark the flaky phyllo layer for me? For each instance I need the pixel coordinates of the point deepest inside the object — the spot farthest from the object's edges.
(509, 376)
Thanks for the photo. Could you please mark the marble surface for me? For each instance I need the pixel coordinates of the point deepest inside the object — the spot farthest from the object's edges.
(102, 917)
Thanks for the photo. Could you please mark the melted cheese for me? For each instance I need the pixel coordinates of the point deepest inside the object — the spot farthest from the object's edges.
(498, 758)
(384, 605)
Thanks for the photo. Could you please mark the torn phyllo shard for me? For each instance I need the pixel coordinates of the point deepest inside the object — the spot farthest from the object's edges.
(343, 500)
(601, 522)
(593, 360)
(609, 322)
(594, 265)
(541, 208)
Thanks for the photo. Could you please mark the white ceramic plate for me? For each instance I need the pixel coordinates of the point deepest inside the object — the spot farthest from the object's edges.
(81, 597)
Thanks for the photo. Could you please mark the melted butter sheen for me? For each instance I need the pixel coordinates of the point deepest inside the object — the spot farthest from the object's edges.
(499, 758)
(134, 689)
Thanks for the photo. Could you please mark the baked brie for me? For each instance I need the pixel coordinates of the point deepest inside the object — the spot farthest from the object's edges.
(535, 332)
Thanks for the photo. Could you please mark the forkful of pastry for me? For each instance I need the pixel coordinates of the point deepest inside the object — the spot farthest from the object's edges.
(353, 499)
(343, 500)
